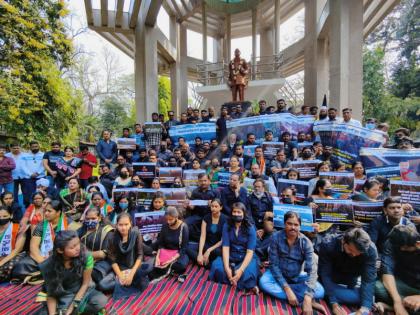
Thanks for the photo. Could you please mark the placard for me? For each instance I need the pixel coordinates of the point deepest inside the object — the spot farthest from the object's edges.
(366, 212)
(307, 168)
(190, 177)
(305, 214)
(342, 182)
(409, 192)
(167, 175)
(300, 187)
(337, 211)
(126, 144)
(144, 169)
(384, 171)
(270, 149)
(150, 221)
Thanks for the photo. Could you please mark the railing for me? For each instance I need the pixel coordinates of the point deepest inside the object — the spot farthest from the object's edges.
(264, 67)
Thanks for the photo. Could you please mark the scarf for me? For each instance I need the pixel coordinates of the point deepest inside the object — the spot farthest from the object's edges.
(8, 239)
(48, 234)
(132, 237)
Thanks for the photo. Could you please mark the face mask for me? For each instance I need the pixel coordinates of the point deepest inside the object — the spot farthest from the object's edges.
(306, 155)
(177, 185)
(4, 221)
(162, 148)
(90, 224)
(237, 218)
(174, 223)
(258, 194)
(35, 151)
(135, 183)
(123, 205)
(328, 192)
(370, 126)
(124, 175)
(287, 200)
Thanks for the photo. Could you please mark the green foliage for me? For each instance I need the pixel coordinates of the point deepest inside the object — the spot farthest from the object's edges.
(164, 95)
(36, 102)
(406, 78)
(113, 115)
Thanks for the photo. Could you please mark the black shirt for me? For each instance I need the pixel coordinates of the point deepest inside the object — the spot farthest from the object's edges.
(214, 234)
(52, 158)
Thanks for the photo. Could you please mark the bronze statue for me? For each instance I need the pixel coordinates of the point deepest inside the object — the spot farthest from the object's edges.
(238, 80)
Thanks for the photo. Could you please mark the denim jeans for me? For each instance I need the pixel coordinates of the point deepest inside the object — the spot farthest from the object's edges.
(6, 187)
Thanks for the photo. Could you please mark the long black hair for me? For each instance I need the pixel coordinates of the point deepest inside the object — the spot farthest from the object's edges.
(55, 270)
(246, 224)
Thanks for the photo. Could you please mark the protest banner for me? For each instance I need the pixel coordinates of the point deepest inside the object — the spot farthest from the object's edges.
(126, 144)
(223, 179)
(144, 169)
(278, 122)
(300, 187)
(174, 196)
(249, 150)
(190, 177)
(270, 149)
(337, 211)
(270, 187)
(151, 127)
(149, 221)
(384, 171)
(410, 170)
(305, 213)
(118, 193)
(375, 157)
(307, 168)
(137, 196)
(342, 182)
(199, 202)
(358, 184)
(206, 131)
(365, 212)
(167, 175)
(409, 192)
(347, 140)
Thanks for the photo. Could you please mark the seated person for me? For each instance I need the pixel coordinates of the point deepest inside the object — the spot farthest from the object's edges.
(122, 205)
(93, 181)
(256, 172)
(123, 179)
(209, 247)
(238, 265)
(97, 201)
(264, 237)
(400, 268)
(233, 193)
(94, 234)
(67, 274)
(11, 243)
(158, 203)
(342, 260)
(125, 253)
(380, 227)
(7, 201)
(370, 191)
(289, 252)
(259, 202)
(74, 199)
(34, 213)
(172, 246)
(41, 243)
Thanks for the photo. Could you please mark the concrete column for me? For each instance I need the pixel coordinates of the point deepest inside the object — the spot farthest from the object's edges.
(266, 42)
(346, 59)
(204, 30)
(175, 68)
(254, 41)
(183, 83)
(322, 78)
(218, 49)
(310, 54)
(228, 38)
(146, 73)
(276, 26)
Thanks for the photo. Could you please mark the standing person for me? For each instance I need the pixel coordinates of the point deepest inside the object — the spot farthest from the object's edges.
(347, 119)
(342, 260)
(290, 253)
(33, 169)
(171, 121)
(18, 173)
(106, 148)
(7, 165)
(221, 130)
(238, 267)
(49, 160)
(68, 274)
(68, 167)
(281, 106)
(89, 161)
(332, 115)
(153, 135)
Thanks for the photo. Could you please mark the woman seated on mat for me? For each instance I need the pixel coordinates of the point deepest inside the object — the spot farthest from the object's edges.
(67, 274)
(41, 243)
(172, 247)
(74, 199)
(125, 253)
(7, 200)
(97, 201)
(11, 243)
(210, 246)
(238, 266)
(94, 234)
(34, 213)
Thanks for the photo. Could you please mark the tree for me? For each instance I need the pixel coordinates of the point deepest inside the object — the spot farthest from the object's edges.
(113, 115)
(164, 95)
(36, 101)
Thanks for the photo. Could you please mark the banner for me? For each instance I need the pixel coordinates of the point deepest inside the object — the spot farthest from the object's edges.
(151, 127)
(270, 149)
(409, 192)
(300, 187)
(174, 196)
(337, 211)
(384, 171)
(342, 182)
(371, 157)
(143, 196)
(307, 169)
(410, 170)
(365, 212)
(301, 145)
(305, 214)
(167, 175)
(270, 187)
(249, 150)
(279, 123)
(223, 179)
(347, 140)
(149, 222)
(190, 177)
(126, 144)
(206, 131)
(358, 184)
(144, 169)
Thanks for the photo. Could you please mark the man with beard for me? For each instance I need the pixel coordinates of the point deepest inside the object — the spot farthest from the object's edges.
(259, 202)
(232, 194)
(328, 157)
(33, 169)
(290, 252)
(281, 106)
(50, 159)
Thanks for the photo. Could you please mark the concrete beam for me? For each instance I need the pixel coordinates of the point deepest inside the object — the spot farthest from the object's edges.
(134, 12)
(153, 12)
(104, 12)
(111, 26)
(88, 9)
(119, 13)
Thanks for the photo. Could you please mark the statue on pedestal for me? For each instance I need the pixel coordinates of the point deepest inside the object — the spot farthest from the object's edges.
(238, 80)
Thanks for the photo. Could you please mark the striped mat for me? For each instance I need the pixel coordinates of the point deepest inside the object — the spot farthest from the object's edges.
(168, 297)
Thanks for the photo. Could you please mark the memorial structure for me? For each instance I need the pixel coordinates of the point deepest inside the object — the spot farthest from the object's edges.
(330, 53)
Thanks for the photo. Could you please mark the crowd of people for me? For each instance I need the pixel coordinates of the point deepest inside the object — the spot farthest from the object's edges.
(73, 233)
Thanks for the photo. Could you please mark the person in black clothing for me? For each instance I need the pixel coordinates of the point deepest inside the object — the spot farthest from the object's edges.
(327, 156)
(49, 161)
(264, 237)
(172, 246)
(259, 202)
(106, 178)
(197, 213)
(7, 201)
(232, 194)
(221, 125)
(289, 147)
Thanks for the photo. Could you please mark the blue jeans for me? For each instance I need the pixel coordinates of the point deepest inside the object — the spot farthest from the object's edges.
(269, 285)
(6, 187)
